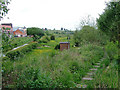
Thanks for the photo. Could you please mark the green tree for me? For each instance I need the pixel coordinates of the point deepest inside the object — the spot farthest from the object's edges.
(47, 32)
(3, 8)
(5, 38)
(35, 31)
(109, 21)
(88, 35)
(52, 37)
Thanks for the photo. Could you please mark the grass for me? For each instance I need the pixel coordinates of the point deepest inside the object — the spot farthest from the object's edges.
(45, 67)
(15, 42)
(106, 77)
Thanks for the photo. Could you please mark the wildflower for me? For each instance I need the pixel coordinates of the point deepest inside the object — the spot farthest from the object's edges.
(81, 85)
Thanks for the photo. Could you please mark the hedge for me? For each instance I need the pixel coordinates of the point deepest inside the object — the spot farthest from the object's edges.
(14, 54)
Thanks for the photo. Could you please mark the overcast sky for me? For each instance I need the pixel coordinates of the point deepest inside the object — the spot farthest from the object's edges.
(52, 13)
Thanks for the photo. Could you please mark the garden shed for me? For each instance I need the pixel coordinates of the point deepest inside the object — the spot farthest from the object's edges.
(64, 45)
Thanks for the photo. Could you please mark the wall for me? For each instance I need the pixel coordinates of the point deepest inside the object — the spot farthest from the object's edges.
(64, 46)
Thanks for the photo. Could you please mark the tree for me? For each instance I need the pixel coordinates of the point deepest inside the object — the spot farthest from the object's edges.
(5, 38)
(46, 29)
(47, 32)
(35, 31)
(87, 20)
(61, 28)
(52, 37)
(89, 34)
(3, 8)
(109, 21)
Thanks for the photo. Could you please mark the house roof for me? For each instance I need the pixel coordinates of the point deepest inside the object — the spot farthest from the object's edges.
(7, 24)
(20, 32)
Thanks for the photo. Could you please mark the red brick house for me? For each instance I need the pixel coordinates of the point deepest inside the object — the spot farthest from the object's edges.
(64, 45)
(19, 33)
(7, 28)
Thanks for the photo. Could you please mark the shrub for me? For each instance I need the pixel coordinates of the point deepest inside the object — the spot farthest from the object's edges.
(15, 42)
(34, 78)
(112, 50)
(44, 39)
(52, 37)
(89, 35)
(14, 54)
(5, 58)
(57, 46)
(65, 79)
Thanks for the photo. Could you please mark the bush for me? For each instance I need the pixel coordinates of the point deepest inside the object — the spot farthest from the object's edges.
(34, 78)
(5, 58)
(14, 54)
(57, 46)
(52, 37)
(112, 50)
(15, 42)
(44, 39)
(89, 35)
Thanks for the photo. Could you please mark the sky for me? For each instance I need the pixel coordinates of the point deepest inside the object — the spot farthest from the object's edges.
(52, 13)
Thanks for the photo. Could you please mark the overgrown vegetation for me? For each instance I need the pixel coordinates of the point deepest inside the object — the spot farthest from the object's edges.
(20, 52)
(36, 32)
(47, 67)
(107, 75)
(89, 35)
(10, 43)
(109, 21)
(43, 68)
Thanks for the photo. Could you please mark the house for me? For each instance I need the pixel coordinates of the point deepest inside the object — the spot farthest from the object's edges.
(20, 33)
(64, 45)
(7, 28)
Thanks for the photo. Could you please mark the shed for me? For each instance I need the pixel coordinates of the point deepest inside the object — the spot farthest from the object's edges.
(64, 45)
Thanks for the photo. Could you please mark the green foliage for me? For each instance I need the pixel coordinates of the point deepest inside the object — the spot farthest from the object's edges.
(107, 74)
(3, 8)
(106, 77)
(52, 37)
(15, 42)
(34, 78)
(35, 31)
(36, 37)
(45, 67)
(109, 21)
(5, 58)
(5, 38)
(89, 35)
(57, 46)
(91, 53)
(44, 39)
(14, 54)
(112, 50)
(47, 32)
(65, 79)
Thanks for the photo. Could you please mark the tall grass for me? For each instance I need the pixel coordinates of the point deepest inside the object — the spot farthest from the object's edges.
(107, 75)
(15, 42)
(41, 69)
